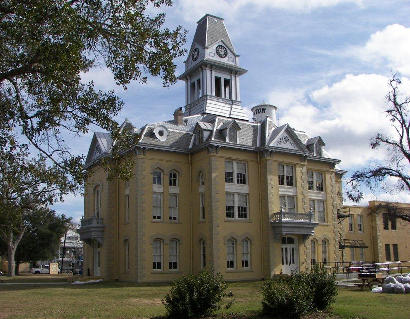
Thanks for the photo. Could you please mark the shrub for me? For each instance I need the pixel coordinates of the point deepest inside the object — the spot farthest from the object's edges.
(195, 295)
(324, 288)
(287, 297)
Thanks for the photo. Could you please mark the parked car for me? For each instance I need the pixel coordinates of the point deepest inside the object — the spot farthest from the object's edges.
(43, 269)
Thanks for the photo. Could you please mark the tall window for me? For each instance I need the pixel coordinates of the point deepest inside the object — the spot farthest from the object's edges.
(359, 223)
(393, 221)
(126, 255)
(157, 177)
(173, 178)
(387, 252)
(317, 207)
(350, 222)
(230, 254)
(288, 203)
(286, 175)
(218, 86)
(313, 254)
(202, 206)
(157, 251)
(236, 205)
(315, 181)
(362, 255)
(324, 251)
(352, 254)
(127, 208)
(173, 254)
(97, 202)
(173, 207)
(203, 253)
(201, 179)
(157, 206)
(385, 221)
(396, 252)
(235, 172)
(246, 256)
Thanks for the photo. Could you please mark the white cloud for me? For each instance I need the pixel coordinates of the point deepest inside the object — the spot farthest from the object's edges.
(390, 45)
(347, 114)
(190, 9)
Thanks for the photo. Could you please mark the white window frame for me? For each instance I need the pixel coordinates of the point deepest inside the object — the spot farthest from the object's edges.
(173, 211)
(173, 261)
(350, 223)
(126, 208)
(173, 178)
(283, 179)
(325, 251)
(313, 252)
(320, 216)
(97, 201)
(360, 223)
(157, 254)
(362, 254)
(285, 208)
(157, 217)
(202, 215)
(315, 181)
(236, 207)
(246, 254)
(202, 246)
(231, 254)
(157, 177)
(236, 174)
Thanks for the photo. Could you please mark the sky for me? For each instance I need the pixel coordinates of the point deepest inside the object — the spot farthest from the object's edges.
(325, 64)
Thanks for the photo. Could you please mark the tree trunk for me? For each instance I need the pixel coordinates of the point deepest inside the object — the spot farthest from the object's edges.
(11, 252)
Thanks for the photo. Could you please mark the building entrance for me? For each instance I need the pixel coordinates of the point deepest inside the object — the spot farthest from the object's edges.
(290, 256)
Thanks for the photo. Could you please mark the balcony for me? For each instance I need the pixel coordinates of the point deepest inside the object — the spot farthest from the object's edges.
(284, 223)
(92, 228)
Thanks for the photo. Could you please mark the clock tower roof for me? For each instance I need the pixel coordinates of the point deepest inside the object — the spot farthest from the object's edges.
(210, 30)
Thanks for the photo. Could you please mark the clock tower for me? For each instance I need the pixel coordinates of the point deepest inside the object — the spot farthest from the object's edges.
(212, 72)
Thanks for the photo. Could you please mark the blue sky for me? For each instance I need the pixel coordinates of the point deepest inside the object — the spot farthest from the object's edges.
(324, 63)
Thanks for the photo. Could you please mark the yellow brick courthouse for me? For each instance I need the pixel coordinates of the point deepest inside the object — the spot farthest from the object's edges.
(211, 187)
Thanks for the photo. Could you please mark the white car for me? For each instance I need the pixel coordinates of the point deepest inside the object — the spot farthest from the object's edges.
(43, 269)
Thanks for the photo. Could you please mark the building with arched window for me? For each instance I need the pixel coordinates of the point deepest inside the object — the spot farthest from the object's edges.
(211, 187)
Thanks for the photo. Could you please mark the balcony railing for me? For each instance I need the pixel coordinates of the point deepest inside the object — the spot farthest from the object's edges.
(285, 223)
(94, 220)
(294, 217)
(92, 228)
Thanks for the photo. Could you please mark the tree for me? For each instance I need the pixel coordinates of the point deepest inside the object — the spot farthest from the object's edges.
(46, 45)
(27, 187)
(397, 166)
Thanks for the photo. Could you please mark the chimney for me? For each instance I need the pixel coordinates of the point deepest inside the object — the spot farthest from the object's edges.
(179, 116)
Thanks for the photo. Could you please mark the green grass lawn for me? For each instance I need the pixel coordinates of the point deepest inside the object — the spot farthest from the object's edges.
(127, 300)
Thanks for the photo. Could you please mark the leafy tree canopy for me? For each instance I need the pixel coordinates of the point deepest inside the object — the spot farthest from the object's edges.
(46, 45)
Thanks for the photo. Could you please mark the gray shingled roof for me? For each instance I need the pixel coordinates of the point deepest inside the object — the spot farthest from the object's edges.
(209, 30)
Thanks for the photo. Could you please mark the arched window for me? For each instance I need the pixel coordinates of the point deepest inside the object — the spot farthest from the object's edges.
(97, 202)
(203, 253)
(201, 179)
(157, 254)
(313, 254)
(325, 251)
(173, 178)
(157, 177)
(173, 254)
(246, 253)
(231, 254)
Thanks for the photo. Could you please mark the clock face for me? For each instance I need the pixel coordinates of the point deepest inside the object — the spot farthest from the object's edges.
(221, 51)
(195, 54)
